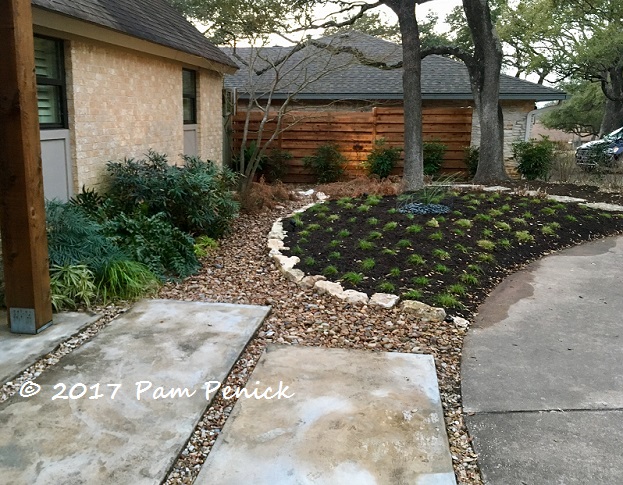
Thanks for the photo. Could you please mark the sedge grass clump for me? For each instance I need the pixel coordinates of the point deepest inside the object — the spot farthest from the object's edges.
(549, 230)
(313, 227)
(414, 229)
(457, 289)
(412, 295)
(343, 201)
(333, 218)
(505, 243)
(528, 215)
(389, 252)
(334, 243)
(495, 212)
(363, 208)
(469, 279)
(486, 258)
(365, 245)
(309, 261)
(330, 271)
(393, 210)
(386, 287)
(433, 223)
(503, 226)
(486, 244)
(390, 226)
(463, 223)
(404, 243)
(297, 250)
(548, 211)
(335, 255)
(416, 259)
(352, 220)
(373, 199)
(520, 221)
(487, 233)
(447, 300)
(475, 268)
(441, 254)
(420, 281)
(436, 236)
(372, 221)
(458, 232)
(374, 235)
(352, 277)
(367, 264)
(441, 268)
(482, 217)
(394, 272)
(343, 233)
(461, 248)
(524, 236)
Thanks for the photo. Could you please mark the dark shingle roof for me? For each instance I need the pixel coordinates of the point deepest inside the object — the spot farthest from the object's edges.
(442, 78)
(152, 20)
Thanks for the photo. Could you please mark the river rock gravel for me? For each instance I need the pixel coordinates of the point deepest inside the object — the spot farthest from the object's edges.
(240, 271)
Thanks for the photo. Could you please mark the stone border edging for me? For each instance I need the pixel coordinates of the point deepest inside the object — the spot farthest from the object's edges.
(384, 300)
(287, 264)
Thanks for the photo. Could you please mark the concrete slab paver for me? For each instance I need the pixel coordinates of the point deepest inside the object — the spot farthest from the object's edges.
(135, 437)
(354, 417)
(18, 351)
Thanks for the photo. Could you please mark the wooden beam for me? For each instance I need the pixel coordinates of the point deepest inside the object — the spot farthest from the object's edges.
(22, 210)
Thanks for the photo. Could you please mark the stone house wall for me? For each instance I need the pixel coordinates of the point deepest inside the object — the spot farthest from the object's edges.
(122, 103)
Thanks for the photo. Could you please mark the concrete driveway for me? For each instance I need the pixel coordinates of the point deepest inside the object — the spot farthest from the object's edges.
(542, 371)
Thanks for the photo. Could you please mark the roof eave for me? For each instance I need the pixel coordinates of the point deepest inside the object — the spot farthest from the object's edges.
(44, 19)
(425, 96)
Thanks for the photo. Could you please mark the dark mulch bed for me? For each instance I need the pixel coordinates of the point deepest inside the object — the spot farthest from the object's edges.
(452, 253)
(591, 193)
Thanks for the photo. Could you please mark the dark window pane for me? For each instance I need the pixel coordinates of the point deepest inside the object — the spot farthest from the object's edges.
(189, 110)
(47, 58)
(49, 103)
(189, 83)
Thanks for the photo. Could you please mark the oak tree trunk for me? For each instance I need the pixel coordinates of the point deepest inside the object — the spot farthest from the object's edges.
(613, 89)
(485, 82)
(413, 177)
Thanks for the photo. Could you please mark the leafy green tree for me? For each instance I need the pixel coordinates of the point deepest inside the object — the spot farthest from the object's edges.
(582, 114)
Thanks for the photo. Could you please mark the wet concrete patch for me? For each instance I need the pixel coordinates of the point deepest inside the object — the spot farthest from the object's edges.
(353, 417)
(127, 401)
(18, 351)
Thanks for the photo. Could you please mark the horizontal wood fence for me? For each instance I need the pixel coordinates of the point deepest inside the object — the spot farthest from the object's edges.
(354, 132)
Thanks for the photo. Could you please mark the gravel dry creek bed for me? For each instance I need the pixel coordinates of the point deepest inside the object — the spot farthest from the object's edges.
(240, 271)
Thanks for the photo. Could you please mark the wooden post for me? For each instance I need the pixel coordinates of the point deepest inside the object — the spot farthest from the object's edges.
(22, 210)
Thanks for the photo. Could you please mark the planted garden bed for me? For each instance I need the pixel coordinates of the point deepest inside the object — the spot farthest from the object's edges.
(449, 259)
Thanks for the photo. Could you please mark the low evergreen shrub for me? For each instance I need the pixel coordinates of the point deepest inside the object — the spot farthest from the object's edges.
(534, 157)
(197, 197)
(433, 157)
(327, 163)
(382, 159)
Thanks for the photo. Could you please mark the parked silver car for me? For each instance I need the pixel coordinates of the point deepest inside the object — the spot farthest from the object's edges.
(605, 153)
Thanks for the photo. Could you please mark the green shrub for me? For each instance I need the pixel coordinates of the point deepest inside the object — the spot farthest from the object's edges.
(75, 239)
(196, 198)
(471, 160)
(153, 241)
(327, 164)
(382, 159)
(534, 158)
(433, 157)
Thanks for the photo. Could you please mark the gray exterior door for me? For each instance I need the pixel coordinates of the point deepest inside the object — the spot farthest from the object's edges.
(56, 160)
(190, 140)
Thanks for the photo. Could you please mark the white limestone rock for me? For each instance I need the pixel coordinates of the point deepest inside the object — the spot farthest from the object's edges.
(329, 287)
(308, 282)
(354, 297)
(424, 311)
(295, 275)
(384, 300)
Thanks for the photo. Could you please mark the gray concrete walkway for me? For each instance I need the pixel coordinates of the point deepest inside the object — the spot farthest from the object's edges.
(543, 371)
(120, 408)
(353, 417)
(18, 351)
